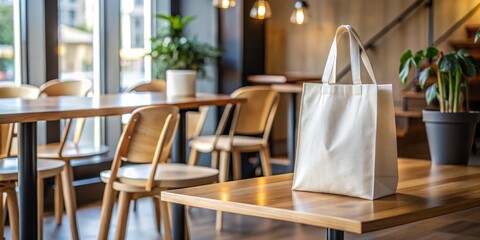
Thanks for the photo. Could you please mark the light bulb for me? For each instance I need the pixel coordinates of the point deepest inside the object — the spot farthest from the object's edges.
(300, 13)
(224, 3)
(261, 10)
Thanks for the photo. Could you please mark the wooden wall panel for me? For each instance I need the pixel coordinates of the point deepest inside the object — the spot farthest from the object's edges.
(303, 49)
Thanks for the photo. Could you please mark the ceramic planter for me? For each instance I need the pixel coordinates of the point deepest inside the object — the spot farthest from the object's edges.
(181, 83)
(450, 135)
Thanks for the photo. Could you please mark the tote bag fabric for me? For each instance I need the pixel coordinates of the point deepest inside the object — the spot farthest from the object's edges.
(346, 133)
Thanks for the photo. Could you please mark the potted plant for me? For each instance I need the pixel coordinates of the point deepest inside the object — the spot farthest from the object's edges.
(178, 58)
(450, 130)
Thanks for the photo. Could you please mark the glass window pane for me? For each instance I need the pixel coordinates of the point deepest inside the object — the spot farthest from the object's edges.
(132, 60)
(75, 51)
(75, 39)
(7, 63)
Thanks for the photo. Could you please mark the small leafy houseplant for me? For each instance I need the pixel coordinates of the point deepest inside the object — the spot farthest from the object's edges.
(452, 70)
(450, 130)
(179, 57)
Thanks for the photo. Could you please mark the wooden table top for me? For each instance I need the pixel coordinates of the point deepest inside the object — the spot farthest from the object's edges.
(288, 88)
(424, 191)
(279, 79)
(55, 108)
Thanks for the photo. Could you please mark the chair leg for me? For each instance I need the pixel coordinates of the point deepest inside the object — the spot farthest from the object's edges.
(135, 205)
(70, 199)
(214, 160)
(219, 221)
(13, 212)
(2, 219)
(187, 231)
(122, 218)
(224, 166)
(158, 212)
(237, 165)
(265, 160)
(193, 159)
(109, 196)
(40, 207)
(58, 192)
(224, 169)
(167, 229)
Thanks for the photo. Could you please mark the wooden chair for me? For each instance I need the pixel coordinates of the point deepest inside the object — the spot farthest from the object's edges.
(23, 91)
(66, 150)
(146, 141)
(195, 121)
(9, 166)
(153, 86)
(255, 117)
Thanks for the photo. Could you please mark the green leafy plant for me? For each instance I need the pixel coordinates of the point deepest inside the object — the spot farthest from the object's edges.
(451, 71)
(172, 50)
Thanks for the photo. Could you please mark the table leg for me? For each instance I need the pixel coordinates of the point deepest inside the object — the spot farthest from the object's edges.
(27, 179)
(333, 234)
(291, 134)
(179, 155)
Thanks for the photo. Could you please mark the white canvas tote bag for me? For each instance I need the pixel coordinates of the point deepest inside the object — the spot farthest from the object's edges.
(346, 133)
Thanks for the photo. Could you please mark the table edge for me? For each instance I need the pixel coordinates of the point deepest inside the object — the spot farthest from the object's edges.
(259, 211)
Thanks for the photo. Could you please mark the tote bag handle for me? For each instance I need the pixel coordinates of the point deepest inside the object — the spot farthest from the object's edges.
(329, 74)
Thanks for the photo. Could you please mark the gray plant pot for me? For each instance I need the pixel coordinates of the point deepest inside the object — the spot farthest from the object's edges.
(450, 135)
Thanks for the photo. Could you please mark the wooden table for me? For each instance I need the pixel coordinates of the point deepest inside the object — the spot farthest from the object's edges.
(28, 112)
(291, 85)
(424, 191)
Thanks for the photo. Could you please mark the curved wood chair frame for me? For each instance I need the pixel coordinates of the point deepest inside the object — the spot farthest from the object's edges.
(153, 86)
(146, 141)
(262, 101)
(9, 174)
(64, 149)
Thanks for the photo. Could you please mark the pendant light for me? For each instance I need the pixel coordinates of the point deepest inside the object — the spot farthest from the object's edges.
(300, 13)
(261, 10)
(223, 3)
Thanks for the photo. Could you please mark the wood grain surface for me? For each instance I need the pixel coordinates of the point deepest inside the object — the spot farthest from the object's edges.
(55, 108)
(278, 79)
(424, 191)
(288, 88)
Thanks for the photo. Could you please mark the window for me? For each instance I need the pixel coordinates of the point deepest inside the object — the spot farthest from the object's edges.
(139, 3)
(71, 17)
(75, 50)
(132, 54)
(7, 56)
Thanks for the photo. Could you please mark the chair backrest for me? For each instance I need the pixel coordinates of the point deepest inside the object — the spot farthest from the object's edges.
(147, 138)
(7, 131)
(54, 88)
(153, 86)
(23, 91)
(256, 115)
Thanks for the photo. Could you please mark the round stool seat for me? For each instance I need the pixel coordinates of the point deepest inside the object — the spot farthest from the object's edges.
(168, 175)
(70, 151)
(45, 168)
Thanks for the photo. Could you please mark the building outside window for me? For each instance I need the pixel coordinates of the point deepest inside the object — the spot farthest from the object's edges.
(7, 50)
(75, 51)
(132, 53)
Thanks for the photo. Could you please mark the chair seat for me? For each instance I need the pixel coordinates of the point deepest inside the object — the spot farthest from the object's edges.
(244, 143)
(45, 168)
(70, 151)
(168, 175)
